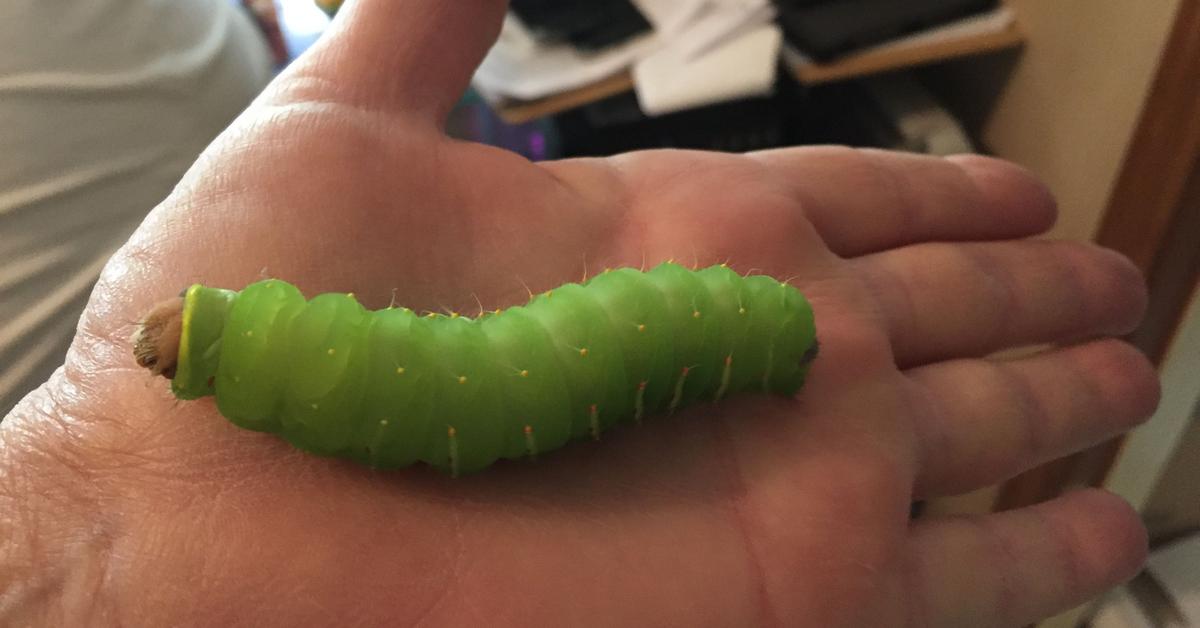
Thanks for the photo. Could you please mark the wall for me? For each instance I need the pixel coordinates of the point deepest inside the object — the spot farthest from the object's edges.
(1067, 104)
(1073, 101)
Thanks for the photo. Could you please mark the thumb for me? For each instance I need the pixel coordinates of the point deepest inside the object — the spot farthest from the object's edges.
(415, 56)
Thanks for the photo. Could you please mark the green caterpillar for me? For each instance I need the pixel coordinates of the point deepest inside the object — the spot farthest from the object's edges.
(390, 388)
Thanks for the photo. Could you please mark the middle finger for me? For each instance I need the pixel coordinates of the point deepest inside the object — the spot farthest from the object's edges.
(942, 300)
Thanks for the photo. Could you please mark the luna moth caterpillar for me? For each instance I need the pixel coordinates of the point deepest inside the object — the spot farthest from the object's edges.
(390, 388)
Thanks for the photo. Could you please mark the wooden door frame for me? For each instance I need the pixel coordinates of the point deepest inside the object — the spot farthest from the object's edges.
(1153, 216)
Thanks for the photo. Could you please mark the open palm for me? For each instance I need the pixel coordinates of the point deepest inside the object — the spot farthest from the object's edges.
(120, 504)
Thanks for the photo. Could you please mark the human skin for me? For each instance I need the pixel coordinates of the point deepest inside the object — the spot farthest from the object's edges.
(122, 506)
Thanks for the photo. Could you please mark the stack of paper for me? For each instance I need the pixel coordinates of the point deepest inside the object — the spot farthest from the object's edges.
(700, 52)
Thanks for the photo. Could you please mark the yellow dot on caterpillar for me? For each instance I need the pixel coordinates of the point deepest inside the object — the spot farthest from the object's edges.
(724, 265)
(350, 295)
(453, 314)
(462, 379)
(314, 406)
(641, 327)
(451, 432)
(383, 422)
(236, 379)
(549, 293)
(583, 352)
(331, 351)
(496, 311)
(524, 373)
(249, 332)
(741, 310)
(431, 315)
(696, 314)
(399, 370)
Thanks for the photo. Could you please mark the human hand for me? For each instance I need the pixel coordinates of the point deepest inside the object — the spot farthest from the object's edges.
(120, 505)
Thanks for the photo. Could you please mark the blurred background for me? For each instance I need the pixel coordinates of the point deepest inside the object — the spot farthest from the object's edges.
(104, 104)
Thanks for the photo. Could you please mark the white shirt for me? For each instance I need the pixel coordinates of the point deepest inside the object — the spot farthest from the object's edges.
(103, 106)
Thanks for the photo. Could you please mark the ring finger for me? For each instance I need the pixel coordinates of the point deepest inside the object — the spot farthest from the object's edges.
(983, 421)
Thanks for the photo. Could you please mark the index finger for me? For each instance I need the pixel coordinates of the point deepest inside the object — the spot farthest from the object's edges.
(864, 201)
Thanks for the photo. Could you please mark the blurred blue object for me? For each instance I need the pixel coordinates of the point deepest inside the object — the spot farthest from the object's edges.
(473, 119)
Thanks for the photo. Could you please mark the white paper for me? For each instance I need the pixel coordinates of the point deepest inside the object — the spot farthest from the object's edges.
(740, 68)
(720, 22)
(520, 67)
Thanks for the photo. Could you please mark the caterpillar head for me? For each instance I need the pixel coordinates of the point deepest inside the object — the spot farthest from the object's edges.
(156, 341)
